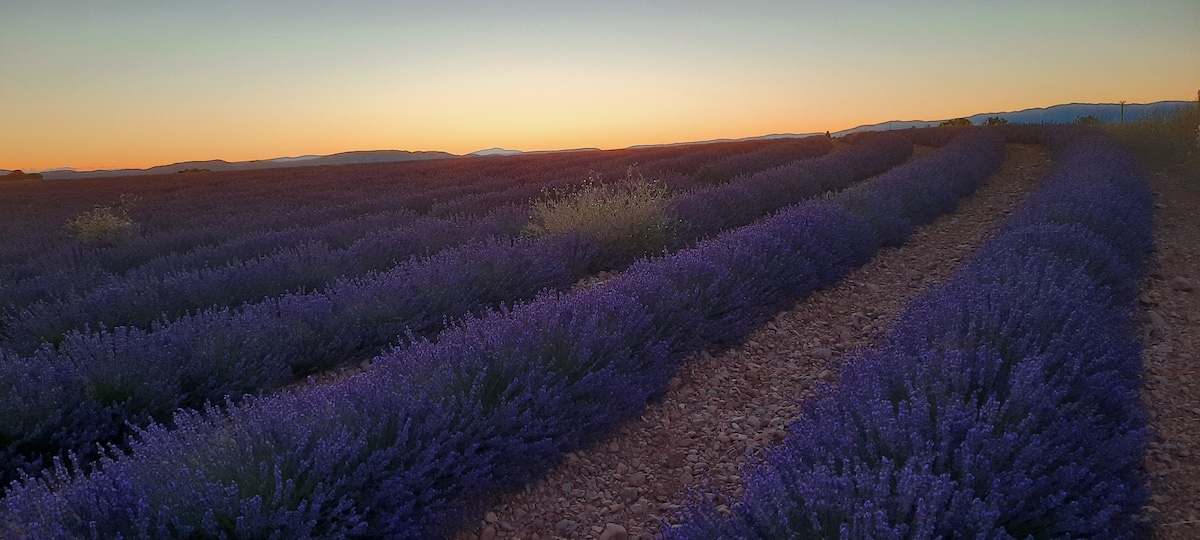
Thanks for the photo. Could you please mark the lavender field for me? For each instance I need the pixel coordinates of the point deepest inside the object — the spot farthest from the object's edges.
(377, 351)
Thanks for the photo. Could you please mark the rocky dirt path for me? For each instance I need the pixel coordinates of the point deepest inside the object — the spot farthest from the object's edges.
(1170, 309)
(723, 407)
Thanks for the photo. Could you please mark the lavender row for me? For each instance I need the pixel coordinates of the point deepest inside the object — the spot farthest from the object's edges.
(226, 205)
(42, 280)
(220, 353)
(141, 298)
(707, 212)
(723, 170)
(673, 168)
(80, 267)
(55, 272)
(167, 287)
(178, 218)
(158, 231)
(1005, 404)
(408, 448)
(148, 295)
(894, 202)
(88, 388)
(236, 202)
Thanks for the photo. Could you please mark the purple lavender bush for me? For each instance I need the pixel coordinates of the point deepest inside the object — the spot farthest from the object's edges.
(925, 188)
(932, 186)
(705, 212)
(874, 153)
(785, 151)
(1096, 188)
(1078, 244)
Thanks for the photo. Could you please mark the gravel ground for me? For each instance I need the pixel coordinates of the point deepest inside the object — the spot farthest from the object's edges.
(724, 406)
(1170, 309)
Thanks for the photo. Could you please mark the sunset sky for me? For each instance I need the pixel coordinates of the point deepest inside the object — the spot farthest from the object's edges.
(136, 83)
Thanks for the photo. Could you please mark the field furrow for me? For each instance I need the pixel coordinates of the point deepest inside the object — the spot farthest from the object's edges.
(1170, 310)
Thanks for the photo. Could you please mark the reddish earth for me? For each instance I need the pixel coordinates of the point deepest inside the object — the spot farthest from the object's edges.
(1170, 309)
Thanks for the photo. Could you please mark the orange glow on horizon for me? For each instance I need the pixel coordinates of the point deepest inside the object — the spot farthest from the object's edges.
(114, 151)
(147, 83)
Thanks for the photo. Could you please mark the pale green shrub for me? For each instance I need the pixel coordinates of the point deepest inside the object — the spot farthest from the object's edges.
(104, 223)
(628, 217)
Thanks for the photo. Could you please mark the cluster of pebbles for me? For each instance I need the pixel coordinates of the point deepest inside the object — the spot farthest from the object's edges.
(725, 407)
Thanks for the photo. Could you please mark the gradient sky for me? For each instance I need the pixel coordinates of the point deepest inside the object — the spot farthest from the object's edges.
(136, 83)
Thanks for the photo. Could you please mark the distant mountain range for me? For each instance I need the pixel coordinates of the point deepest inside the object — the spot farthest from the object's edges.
(497, 151)
(343, 158)
(1066, 113)
(1104, 112)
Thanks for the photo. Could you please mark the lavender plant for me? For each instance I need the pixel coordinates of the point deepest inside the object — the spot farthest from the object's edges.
(706, 212)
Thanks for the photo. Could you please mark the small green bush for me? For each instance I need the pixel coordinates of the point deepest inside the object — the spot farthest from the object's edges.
(628, 217)
(104, 223)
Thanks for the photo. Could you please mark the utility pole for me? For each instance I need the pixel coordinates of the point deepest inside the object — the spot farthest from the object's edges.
(1122, 111)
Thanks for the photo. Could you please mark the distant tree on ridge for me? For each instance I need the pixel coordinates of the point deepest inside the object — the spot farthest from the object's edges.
(21, 175)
